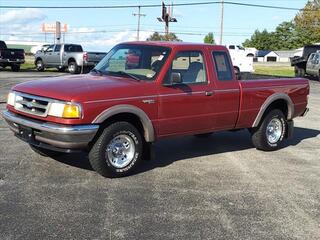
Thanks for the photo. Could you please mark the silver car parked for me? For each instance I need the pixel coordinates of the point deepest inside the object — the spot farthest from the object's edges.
(70, 56)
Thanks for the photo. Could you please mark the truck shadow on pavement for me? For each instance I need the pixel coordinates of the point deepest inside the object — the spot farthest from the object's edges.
(184, 148)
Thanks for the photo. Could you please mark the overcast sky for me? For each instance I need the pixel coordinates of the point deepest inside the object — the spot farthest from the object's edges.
(119, 24)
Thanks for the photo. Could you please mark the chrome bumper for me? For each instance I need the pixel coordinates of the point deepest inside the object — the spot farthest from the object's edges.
(51, 134)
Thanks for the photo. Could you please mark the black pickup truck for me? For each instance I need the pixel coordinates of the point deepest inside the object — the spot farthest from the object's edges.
(11, 57)
(300, 63)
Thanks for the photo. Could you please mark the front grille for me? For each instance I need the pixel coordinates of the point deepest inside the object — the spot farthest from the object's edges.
(32, 104)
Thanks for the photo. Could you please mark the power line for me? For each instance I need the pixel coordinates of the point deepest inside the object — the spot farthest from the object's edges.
(158, 5)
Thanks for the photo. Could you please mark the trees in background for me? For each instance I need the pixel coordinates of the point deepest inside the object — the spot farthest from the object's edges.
(302, 30)
(163, 37)
(209, 38)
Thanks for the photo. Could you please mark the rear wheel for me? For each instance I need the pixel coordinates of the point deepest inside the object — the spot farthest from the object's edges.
(15, 67)
(73, 67)
(45, 152)
(39, 65)
(269, 135)
(117, 151)
(299, 72)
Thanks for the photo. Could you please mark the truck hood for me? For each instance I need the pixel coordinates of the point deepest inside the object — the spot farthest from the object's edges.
(81, 88)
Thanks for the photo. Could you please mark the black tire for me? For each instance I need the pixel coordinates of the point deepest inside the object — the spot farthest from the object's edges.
(61, 69)
(299, 72)
(45, 152)
(73, 67)
(39, 65)
(98, 155)
(259, 134)
(15, 67)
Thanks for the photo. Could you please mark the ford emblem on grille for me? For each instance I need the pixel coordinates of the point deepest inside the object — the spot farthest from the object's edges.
(29, 105)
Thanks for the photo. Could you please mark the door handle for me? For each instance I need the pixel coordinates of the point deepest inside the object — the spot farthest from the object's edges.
(208, 94)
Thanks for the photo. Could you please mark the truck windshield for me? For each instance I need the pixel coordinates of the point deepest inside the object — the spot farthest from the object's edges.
(140, 62)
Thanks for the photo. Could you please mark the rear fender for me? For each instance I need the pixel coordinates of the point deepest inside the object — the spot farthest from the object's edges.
(269, 101)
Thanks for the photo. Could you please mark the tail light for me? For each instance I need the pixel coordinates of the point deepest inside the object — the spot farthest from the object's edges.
(85, 56)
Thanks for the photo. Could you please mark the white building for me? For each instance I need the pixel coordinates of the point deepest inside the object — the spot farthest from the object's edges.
(274, 56)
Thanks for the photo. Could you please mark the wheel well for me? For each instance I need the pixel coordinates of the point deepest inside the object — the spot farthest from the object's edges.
(38, 58)
(123, 117)
(250, 55)
(280, 104)
(71, 60)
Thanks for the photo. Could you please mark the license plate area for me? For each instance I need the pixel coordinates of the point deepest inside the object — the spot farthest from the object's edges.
(26, 133)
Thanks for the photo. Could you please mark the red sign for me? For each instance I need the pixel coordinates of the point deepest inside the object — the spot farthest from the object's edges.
(51, 27)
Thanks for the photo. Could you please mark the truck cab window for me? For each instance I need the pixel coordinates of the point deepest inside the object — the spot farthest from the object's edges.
(57, 48)
(50, 48)
(190, 65)
(223, 67)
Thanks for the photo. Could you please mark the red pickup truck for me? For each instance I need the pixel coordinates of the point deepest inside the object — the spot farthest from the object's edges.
(117, 111)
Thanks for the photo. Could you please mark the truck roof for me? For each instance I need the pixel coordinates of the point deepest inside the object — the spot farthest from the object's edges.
(173, 44)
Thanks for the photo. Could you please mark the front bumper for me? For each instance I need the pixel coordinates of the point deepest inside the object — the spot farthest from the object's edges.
(50, 135)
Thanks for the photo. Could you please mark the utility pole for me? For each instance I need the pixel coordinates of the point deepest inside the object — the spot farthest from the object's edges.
(166, 18)
(221, 23)
(139, 14)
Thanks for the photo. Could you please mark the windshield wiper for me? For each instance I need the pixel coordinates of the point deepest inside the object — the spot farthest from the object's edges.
(97, 71)
(126, 74)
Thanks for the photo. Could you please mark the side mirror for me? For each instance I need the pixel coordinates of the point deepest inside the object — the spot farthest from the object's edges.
(175, 78)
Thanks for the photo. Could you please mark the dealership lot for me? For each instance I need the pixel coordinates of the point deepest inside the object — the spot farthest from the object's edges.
(212, 188)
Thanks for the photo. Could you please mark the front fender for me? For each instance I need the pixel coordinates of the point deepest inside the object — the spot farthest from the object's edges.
(149, 132)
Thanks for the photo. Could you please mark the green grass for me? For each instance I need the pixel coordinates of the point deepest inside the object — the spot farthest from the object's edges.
(282, 70)
(27, 66)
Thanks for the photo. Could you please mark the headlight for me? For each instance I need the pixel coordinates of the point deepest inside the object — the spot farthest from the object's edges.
(11, 98)
(65, 110)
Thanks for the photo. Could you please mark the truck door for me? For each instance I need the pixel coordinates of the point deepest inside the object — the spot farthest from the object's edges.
(185, 107)
(315, 64)
(56, 55)
(225, 104)
(310, 64)
(48, 55)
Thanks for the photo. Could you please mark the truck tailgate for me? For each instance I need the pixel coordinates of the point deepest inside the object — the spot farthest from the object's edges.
(12, 54)
(95, 56)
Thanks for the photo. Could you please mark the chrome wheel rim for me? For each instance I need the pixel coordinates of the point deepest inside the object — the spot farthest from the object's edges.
(120, 151)
(39, 64)
(274, 130)
(71, 68)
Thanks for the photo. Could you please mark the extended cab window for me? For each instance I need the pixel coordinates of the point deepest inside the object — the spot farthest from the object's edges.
(72, 48)
(223, 68)
(190, 65)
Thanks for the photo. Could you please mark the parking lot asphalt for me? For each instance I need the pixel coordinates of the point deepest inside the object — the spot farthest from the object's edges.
(218, 187)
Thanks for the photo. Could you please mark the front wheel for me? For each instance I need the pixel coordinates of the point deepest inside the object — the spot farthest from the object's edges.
(39, 65)
(117, 151)
(271, 131)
